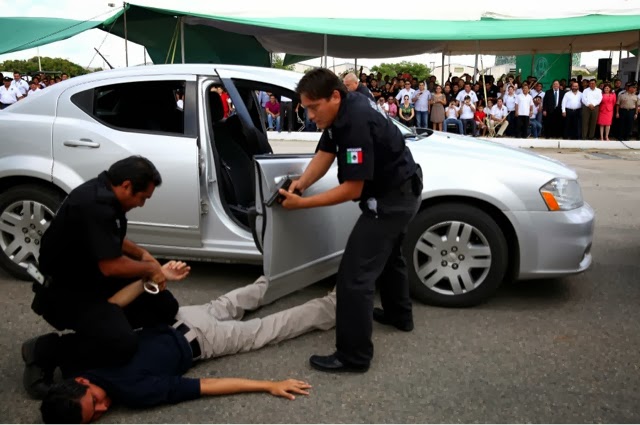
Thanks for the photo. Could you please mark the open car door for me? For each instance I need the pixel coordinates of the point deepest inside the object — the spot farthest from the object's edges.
(299, 247)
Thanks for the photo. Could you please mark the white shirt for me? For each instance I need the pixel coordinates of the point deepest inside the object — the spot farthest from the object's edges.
(499, 113)
(534, 93)
(534, 114)
(9, 95)
(571, 101)
(452, 112)
(524, 102)
(556, 94)
(471, 94)
(21, 85)
(467, 112)
(402, 93)
(34, 92)
(510, 102)
(591, 97)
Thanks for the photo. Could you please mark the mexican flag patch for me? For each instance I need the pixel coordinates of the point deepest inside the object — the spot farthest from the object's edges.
(354, 156)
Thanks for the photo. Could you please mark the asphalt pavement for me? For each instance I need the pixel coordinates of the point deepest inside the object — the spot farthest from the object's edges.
(552, 351)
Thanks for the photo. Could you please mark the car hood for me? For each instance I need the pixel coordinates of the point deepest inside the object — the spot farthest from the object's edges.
(477, 155)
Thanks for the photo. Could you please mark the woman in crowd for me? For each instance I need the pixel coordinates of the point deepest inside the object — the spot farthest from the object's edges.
(392, 108)
(407, 113)
(605, 116)
(438, 100)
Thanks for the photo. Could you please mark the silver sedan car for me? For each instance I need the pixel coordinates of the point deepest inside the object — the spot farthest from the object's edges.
(489, 213)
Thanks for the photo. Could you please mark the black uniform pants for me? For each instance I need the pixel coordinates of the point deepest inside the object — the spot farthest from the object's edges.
(522, 130)
(573, 124)
(626, 123)
(373, 254)
(104, 332)
(553, 127)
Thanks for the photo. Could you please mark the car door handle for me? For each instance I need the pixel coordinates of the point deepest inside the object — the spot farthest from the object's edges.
(85, 143)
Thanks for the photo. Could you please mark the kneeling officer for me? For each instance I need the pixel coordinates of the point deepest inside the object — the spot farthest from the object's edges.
(87, 258)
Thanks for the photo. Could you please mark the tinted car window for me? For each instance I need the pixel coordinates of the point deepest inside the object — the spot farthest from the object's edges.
(148, 106)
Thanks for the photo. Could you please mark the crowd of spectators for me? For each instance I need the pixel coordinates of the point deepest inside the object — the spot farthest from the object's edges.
(508, 106)
(17, 88)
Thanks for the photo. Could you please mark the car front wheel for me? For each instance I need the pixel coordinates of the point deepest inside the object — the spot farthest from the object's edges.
(25, 214)
(456, 255)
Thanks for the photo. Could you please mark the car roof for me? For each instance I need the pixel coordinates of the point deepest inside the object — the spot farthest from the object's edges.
(276, 76)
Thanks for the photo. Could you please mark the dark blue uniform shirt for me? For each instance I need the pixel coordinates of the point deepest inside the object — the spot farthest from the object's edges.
(368, 147)
(89, 226)
(154, 375)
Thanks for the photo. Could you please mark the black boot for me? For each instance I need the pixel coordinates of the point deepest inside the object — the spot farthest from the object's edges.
(333, 364)
(379, 316)
(38, 354)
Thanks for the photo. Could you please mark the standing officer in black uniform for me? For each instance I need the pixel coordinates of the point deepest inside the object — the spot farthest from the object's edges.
(377, 169)
(87, 259)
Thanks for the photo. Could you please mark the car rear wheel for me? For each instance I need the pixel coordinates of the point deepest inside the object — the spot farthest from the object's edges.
(25, 213)
(456, 255)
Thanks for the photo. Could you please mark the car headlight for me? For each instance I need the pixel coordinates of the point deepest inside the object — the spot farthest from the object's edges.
(562, 194)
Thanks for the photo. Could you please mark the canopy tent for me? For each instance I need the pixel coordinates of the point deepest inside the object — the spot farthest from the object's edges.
(245, 33)
(18, 34)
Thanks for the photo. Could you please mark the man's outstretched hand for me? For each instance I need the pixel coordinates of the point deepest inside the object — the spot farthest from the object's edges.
(289, 387)
(175, 270)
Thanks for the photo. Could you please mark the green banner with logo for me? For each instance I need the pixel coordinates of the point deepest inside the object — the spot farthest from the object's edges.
(546, 67)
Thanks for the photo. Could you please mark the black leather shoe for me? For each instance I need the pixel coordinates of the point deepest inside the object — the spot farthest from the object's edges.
(332, 364)
(37, 378)
(379, 316)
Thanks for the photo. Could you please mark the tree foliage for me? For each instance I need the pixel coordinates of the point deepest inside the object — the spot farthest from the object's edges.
(503, 60)
(48, 64)
(278, 62)
(416, 69)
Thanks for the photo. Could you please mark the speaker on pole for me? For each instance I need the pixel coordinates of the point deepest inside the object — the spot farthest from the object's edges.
(604, 69)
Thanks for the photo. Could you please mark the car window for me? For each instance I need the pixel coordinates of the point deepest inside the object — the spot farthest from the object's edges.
(147, 106)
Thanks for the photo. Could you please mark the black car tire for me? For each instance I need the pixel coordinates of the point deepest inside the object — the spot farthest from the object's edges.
(470, 215)
(45, 196)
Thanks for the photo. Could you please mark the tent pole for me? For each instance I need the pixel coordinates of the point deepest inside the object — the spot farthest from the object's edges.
(570, 64)
(619, 60)
(533, 61)
(442, 69)
(182, 37)
(144, 52)
(126, 47)
(355, 68)
(475, 67)
(637, 58)
(325, 50)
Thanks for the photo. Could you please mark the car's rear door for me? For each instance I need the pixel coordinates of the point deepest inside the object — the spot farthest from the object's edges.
(101, 122)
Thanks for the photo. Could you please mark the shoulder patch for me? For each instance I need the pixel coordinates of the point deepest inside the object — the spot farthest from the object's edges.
(354, 156)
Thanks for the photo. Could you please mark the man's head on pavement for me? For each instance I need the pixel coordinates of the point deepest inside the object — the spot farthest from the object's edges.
(351, 81)
(133, 181)
(321, 93)
(74, 401)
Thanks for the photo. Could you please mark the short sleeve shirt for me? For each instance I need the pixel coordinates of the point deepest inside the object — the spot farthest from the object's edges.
(89, 226)
(368, 147)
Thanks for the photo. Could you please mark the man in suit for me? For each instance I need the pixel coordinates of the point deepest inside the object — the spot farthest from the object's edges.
(552, 112)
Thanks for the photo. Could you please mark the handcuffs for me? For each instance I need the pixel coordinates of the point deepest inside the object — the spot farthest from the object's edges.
(151, 287)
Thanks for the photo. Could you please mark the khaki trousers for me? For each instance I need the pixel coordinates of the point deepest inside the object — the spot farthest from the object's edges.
(501, 127)
(589, 121)
(220, 332)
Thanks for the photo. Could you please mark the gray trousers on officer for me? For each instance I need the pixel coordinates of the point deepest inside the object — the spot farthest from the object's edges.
(220, 332)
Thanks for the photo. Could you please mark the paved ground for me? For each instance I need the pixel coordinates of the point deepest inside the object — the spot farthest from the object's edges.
(550, 351)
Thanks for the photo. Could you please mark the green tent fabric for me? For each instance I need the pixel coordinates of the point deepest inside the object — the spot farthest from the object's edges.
(203, 44)
(18, 34)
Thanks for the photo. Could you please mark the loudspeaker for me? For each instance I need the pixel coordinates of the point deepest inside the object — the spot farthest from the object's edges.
(604, 69)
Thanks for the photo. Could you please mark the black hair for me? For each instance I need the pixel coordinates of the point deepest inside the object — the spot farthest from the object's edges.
(17, 72)
(320, 83)
(467, 97)
(137, 169)
(64, 73)
(61, 405)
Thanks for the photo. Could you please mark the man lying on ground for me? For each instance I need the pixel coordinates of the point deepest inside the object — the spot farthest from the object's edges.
(154, 375)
